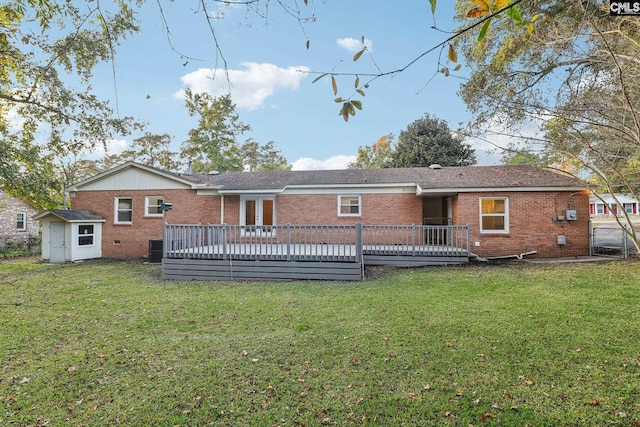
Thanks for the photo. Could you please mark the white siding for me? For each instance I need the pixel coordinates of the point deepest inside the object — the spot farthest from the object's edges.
(134, 179)
(86, 252)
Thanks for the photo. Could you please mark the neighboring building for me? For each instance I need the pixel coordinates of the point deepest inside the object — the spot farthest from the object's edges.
(604, 205)
(510, 209)
(16, 218)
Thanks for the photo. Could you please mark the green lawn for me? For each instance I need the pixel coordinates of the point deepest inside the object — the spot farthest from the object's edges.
(110, 343)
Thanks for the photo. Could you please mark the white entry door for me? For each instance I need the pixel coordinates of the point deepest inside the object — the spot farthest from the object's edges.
(57, 244)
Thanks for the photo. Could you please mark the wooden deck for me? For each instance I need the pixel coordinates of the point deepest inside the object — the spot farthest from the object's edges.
(221, 252)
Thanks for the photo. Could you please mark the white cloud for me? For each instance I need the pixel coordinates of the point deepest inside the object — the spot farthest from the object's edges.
(113, 146)
(249, 87)
(354, 45)
(495, 137)
(340, 161)
(14, 120)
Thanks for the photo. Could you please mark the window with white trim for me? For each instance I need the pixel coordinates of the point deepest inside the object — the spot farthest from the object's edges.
(349, 205)
(124, 210)
(153, 205)
(494, 214)
(599, 208)
(85, 234)
(628, 208)
(21, 221)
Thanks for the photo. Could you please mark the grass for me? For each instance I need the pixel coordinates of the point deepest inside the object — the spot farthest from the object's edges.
(110, 343)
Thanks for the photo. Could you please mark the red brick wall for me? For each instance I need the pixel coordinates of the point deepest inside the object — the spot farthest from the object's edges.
(322, 209)
(531, 224)
(188, 208)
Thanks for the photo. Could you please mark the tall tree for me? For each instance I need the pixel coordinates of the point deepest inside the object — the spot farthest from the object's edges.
(48, 50)
(578, 70)
(155, 150)
(378, 155)
(263, 158)
(213, 145)
(429, 141)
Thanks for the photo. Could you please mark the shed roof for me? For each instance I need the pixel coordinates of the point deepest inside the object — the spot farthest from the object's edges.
(70, 215)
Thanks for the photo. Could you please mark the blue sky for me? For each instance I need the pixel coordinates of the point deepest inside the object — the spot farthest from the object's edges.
(265, 60)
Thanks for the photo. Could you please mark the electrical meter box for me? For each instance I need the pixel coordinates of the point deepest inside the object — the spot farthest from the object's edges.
(562, 239)
(571, 215)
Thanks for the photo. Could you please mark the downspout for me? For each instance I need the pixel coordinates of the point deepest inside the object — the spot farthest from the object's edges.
(222, 209)
(522, 255)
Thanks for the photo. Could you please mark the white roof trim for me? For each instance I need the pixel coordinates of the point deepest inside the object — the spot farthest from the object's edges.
(496, 189)
(324, 188)
(45, 214)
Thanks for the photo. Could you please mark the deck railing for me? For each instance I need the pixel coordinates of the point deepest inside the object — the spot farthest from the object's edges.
(416, 240)
(312, 242)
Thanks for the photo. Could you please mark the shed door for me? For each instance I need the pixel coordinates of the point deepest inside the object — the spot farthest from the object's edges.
(56, 242)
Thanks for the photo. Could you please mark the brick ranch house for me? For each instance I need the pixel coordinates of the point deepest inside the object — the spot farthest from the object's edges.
(510, 209)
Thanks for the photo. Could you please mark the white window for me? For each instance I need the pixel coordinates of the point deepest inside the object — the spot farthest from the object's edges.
(349, 205)
(85, 235)
(21, 221)
(258, 214)
(124, 210)
(599, 208)
(628, 208)
(494, 215)
(153, 205)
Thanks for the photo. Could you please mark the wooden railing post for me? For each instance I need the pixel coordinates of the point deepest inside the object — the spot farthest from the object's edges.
(288, 242)
(224, 241)
(358, 242)
(165, 241)
(413, 240)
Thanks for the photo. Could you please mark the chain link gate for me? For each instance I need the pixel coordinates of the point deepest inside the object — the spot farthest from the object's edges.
(612, 240)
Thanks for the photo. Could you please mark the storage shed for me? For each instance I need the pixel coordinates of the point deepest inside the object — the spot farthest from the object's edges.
(70, 235)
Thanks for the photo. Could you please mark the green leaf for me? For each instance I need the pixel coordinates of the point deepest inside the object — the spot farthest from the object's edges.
(359, 54)
(319, 77)
(433, 6)
(357, 82)
(357, 104)
(338, 100)
(344, 111)
(334, 85)
(514, 14)
(360, 91)
(484, 29)
(453, 55)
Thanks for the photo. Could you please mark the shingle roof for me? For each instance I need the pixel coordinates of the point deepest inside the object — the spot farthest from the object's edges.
(462, 177)
(72, 215)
